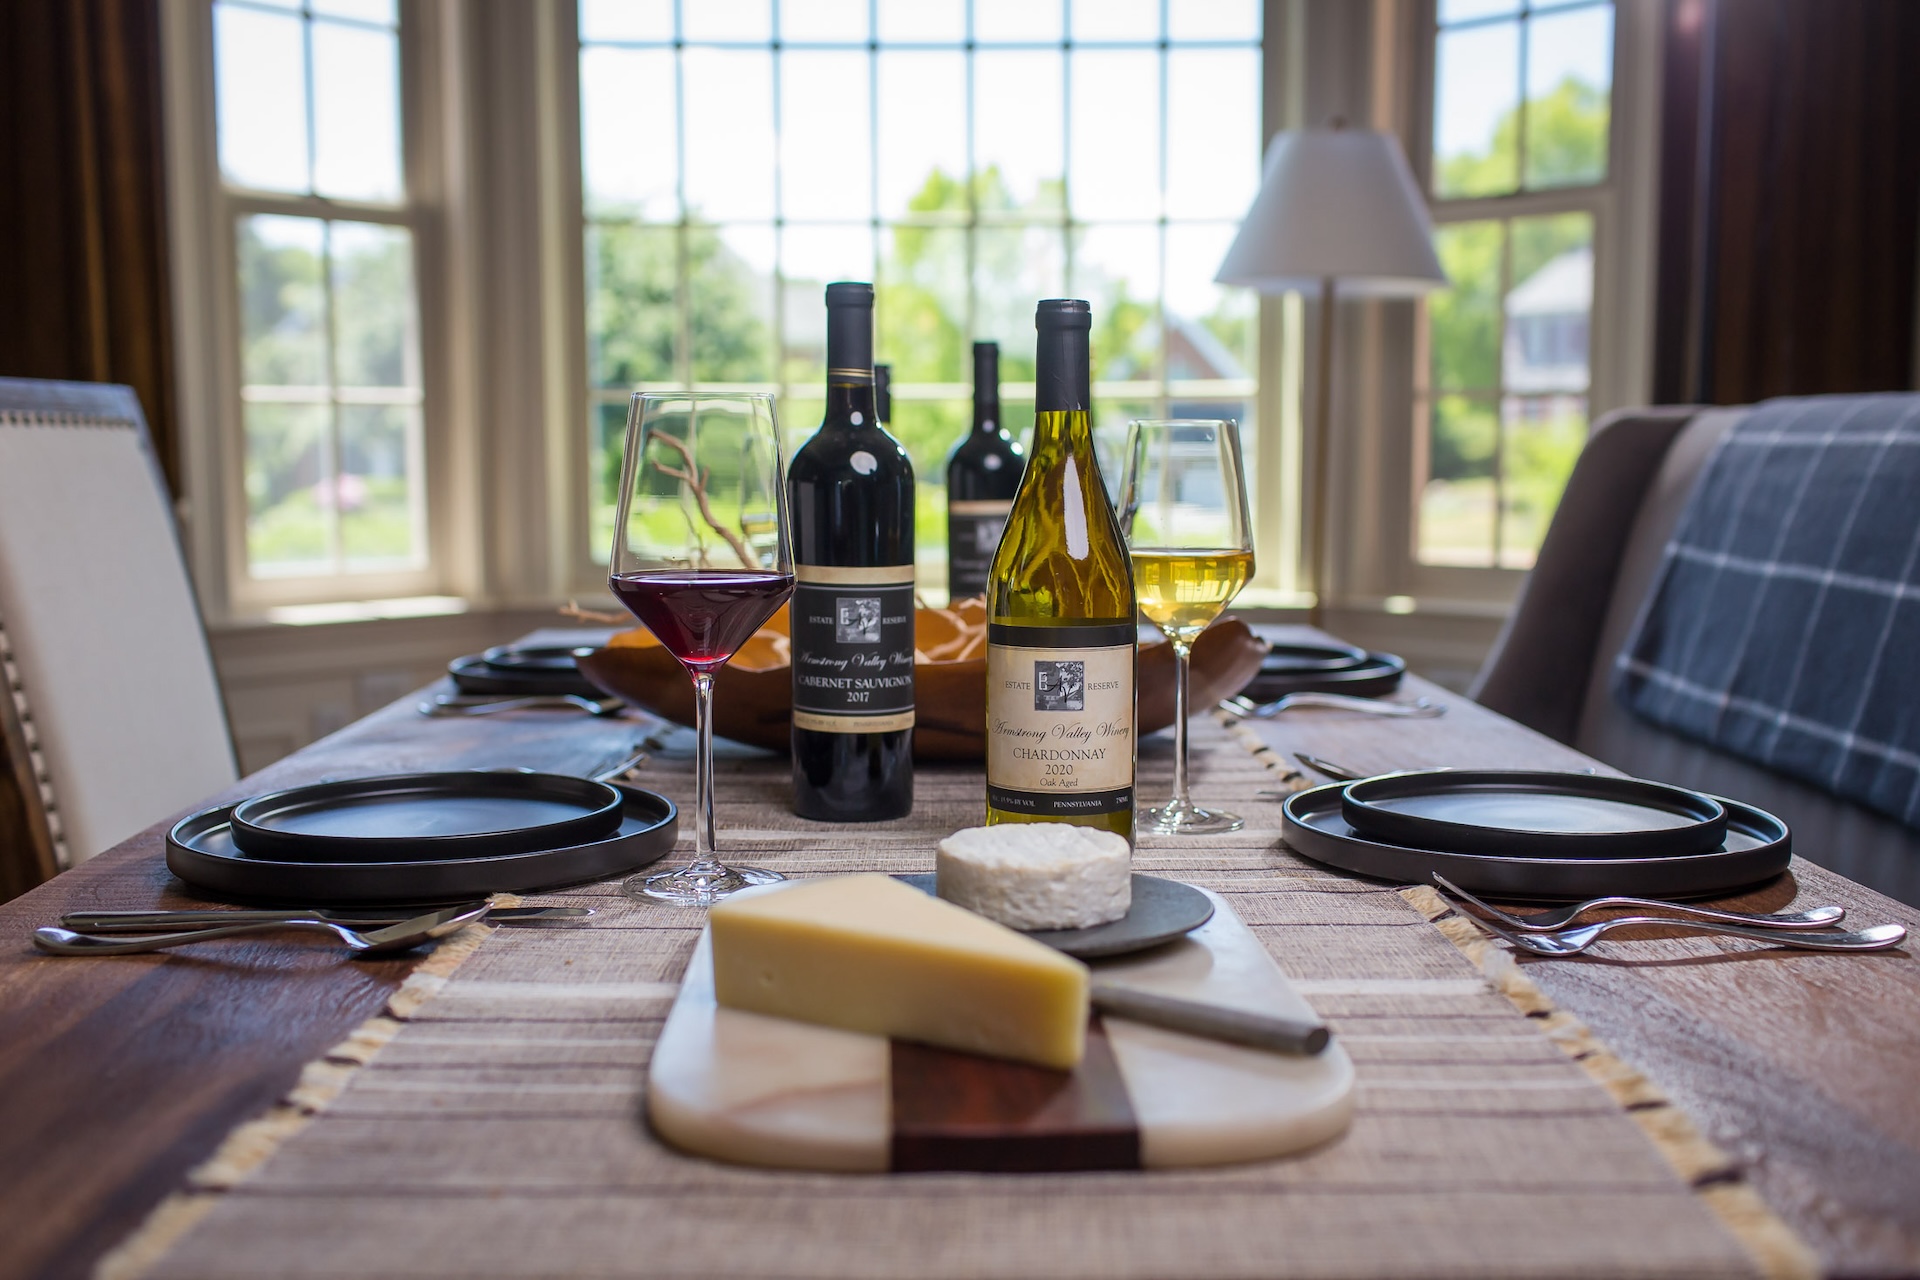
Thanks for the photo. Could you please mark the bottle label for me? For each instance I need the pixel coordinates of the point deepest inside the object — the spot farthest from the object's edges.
(973, 535)
(1060, 739)
(853, 648)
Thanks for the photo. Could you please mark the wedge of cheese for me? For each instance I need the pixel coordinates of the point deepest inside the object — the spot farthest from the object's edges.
(868, 953)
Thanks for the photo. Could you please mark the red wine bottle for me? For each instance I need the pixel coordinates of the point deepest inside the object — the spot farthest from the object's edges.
(983, 474)
(850, 491)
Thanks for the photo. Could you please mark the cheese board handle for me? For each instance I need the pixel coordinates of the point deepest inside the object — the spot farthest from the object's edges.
(1212, 1021)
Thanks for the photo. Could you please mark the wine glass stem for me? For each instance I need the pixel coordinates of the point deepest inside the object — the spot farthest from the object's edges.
(704, 861)
(1180, 800)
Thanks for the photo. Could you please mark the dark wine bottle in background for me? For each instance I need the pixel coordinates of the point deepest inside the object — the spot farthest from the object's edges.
(983, 474)
(850, 492)
(883, 394)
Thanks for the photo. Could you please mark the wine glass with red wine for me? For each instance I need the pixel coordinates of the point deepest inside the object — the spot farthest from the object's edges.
(702, 557)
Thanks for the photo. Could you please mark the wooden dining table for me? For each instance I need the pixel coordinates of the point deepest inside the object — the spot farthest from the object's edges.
(118, 1076)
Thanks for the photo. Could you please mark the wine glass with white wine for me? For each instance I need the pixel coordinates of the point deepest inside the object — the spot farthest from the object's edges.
(1183, 504)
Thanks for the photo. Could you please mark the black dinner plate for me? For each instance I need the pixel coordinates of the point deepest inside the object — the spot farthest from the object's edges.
(420, 817)
(1758, 847)
(200, 850)
(474, 675)
(1162, 910)
(1376, 677)
(1305, 659)
(518, 658)
(1534, 814)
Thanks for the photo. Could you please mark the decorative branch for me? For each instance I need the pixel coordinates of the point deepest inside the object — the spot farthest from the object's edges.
(574, 610)
(699, 486)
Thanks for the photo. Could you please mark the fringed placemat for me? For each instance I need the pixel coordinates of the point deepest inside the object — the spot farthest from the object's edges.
(490, 1122)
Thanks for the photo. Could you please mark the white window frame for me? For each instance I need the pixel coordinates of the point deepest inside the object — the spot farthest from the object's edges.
(204, 211)
(1377, 569)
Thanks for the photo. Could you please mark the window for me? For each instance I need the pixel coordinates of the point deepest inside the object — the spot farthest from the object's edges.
(1520, 186)
(968, 156)
(330, 410)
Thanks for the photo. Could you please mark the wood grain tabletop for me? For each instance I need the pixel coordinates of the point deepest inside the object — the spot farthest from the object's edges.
(117, 1076)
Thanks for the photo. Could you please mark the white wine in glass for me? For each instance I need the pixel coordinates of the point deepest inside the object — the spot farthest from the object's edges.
(1183, 503)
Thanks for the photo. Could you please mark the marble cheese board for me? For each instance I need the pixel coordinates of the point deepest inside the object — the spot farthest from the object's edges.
(751, 1089)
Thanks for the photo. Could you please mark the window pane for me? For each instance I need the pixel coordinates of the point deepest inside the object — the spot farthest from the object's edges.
(1476, 110)
(381, 11)
(356, 110)
(1013, 268)
(373, 320)
(922, 314)
(1212, 331)
(735, 21)
(283, 302)
(1116, 20)
(632, 312)
(1463, 321)
(1213, 20)
(261, 83)
(1117, 269)
(606, 438)
(1017, 131)
(381, 491)
(728, 95)
(1116, 135)
(1213, 132)
(929, 429)
(1569, 88)
(1549, 306)
(730, 291)
(1457, 504)
(287, 472)
(1465, 10)
(824, 21)
(626, 20)
(1544, 436)
(919, 133)
(1017, 21)
(923, 21)
(826, 159)
(629, 134)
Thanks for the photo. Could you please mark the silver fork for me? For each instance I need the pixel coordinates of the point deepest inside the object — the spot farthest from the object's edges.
(1572, 942)
(1247, 708)
(1560, 917)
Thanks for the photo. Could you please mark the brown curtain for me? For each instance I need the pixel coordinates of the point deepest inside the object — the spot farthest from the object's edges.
(1790, 199)
(83, 233)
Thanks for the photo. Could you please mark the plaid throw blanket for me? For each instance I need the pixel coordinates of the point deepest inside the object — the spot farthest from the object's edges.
(1784, 624)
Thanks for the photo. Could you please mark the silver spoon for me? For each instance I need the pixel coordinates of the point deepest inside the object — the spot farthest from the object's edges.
(458, 705)
(1573, 941)
(1560, 917)
(398, 937)
(1247, 708)
(146, 921)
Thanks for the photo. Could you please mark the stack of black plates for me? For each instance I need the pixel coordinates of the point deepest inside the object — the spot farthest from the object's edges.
(1324, 668)
(1538, 835)
(421, 837)
(527, 671)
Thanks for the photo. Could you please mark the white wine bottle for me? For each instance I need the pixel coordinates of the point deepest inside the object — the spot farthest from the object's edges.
(1061, 631)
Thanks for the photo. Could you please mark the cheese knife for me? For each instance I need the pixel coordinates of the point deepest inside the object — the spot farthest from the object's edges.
(1211, 1021)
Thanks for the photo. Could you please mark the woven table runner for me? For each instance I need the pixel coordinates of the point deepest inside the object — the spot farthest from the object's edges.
(490, 1124)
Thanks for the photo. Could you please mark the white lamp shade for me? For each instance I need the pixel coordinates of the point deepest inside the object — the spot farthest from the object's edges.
(1337, 203)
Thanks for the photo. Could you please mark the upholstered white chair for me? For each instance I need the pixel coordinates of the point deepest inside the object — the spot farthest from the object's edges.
(110, 684)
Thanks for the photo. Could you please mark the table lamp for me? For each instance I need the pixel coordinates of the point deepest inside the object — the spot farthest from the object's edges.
(1335, 204)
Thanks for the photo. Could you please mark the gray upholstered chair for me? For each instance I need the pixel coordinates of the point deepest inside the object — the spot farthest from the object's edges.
(113, 718)
(1551, 667)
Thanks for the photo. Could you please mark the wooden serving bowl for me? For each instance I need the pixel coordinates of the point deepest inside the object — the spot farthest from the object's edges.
(752, 697)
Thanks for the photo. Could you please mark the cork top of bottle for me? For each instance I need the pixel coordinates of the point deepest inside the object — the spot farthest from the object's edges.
(849, 293)
(1063, 313)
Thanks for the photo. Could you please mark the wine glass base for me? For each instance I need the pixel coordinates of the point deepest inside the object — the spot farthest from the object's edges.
(690, 886)
(1188, 820)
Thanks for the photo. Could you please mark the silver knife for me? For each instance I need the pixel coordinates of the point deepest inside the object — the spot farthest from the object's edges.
(146, 921)
(1214, 1022)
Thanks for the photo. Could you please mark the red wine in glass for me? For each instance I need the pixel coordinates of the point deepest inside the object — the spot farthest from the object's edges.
(702, 615)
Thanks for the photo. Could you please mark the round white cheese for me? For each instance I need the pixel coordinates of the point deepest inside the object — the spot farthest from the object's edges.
(1037, 875)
